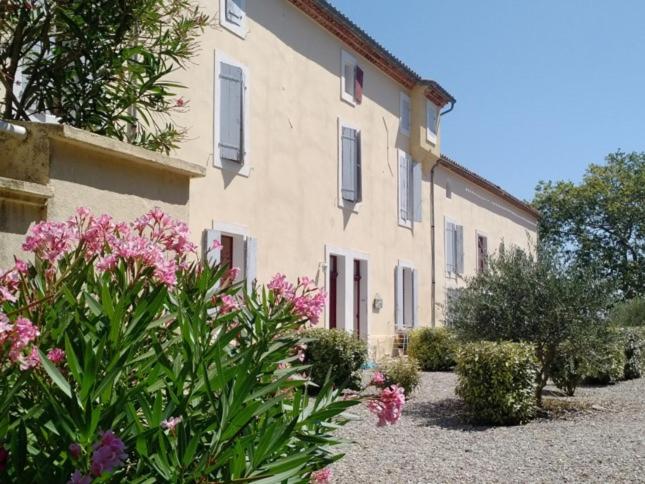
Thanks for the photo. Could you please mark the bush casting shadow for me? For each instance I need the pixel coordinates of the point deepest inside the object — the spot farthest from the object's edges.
(449, 413)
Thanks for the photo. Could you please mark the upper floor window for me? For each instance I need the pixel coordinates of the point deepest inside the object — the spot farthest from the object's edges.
(351, 79)
(482, 252)
(233, 16)
(404, 114)
(432, 121)
(231, 116)
(351, 187)
(454, 239)
(410, 206)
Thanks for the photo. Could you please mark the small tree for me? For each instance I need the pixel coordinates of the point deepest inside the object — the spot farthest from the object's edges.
(522, 297)
(101, 65)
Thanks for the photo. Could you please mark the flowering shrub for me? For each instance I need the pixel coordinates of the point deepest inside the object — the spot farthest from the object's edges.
(403, 372)
(123, 358)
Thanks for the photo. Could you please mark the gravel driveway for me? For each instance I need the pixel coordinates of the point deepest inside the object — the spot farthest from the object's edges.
(604, 442)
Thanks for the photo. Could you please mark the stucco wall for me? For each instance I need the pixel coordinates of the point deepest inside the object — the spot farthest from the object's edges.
(478, 211)
(290, 200)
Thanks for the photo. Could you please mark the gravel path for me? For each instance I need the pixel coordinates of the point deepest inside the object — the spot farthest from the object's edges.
(604, 442)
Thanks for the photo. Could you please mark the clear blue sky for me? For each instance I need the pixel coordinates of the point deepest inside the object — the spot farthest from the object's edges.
(543, 87)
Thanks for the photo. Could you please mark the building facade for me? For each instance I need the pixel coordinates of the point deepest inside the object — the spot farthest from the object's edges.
(320, 147)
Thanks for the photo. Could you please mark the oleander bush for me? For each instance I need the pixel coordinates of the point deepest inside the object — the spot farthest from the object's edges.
(497, 381)
(335, 354)
(433, 348)
(125, 359)
(401, 371)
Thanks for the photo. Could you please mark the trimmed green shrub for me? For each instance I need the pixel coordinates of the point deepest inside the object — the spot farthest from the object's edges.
(608, 360)
(634, 343)
(335, 352)
(403, 372)
(433, 348)
(497, 381)
(570, 367)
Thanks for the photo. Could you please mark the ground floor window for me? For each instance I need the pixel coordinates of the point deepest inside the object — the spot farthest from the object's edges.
(238, 249)
(406, 286)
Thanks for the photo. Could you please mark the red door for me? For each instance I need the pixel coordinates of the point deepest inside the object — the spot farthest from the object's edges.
(357, 298)
(333, 291)
(226, 256)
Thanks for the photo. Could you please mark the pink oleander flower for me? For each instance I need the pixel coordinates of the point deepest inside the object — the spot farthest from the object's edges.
(6, 328)
(323, 476)
(378, 379)
(228, 304)
(230, 276)
(21, 266)
(32, 360)
(180, 102)
(51, 240)
(308, 302)
(171, 423)
(216, 245)
(78, 478)
(4, 457)
(388, 405)
(109, 453)
(300, 351)
(75, 450)
(9, 281)
(56, 356)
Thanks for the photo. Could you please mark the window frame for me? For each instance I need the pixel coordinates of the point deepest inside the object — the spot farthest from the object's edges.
(402, 266)
(403, 97)
(239, 30)
(347, 58)
(431, 135)
(342, 203)
(478, 234)
(243, 168)
(407, 223)
(454, 273)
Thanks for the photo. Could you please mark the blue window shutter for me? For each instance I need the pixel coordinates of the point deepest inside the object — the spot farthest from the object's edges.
(432, 117)
(231, 98)
(235, 11)
(359, 166)
(450, 247)
(348, 161)
(459, 243)
(403, 186)
(417, 205)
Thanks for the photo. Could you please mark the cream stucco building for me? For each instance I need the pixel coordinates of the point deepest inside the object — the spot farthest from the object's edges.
(314, 151)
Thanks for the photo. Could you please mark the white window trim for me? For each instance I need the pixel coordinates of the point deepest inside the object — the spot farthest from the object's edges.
(430, 135)
(239, 30)
(407, 223)
(349, 255)
(449, 274)
(346, 58)
(354, 206)
(244, 168)
(403, 97)
(235, 230)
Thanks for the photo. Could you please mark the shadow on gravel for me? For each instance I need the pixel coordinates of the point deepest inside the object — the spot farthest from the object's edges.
(448, 413)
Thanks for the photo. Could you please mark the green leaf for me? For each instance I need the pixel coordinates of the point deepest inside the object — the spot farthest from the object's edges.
(54, 374)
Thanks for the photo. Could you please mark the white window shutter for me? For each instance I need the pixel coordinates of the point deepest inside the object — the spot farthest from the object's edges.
(459, 242)
(359, 167)
(398, 287)
(212, 256)
(405, 114)
(235, 11)
(415, 298)
(417, 205)
(251, 263)
(348, 74)
(403, 186)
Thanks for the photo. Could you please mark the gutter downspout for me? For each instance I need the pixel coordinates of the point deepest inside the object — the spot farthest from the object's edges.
(13, 129)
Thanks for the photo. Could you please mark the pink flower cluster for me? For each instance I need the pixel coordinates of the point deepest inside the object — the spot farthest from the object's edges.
(323, 476)
(109, 453)
(378, 379)
(9, 281)
(154, 240)
(56, 356)
(171, 423)
(20, 335)
(388, 405)
(308, 301)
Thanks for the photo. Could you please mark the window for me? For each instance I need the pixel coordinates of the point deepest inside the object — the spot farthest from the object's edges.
(233, 16)
(237, 250)
(231, 116)
(448, 190)
(407, 295)
(432, 121)
(410, 206)
(351, 79)
(482, 252)
(404, 114)
(454, 235)
(351, 187)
